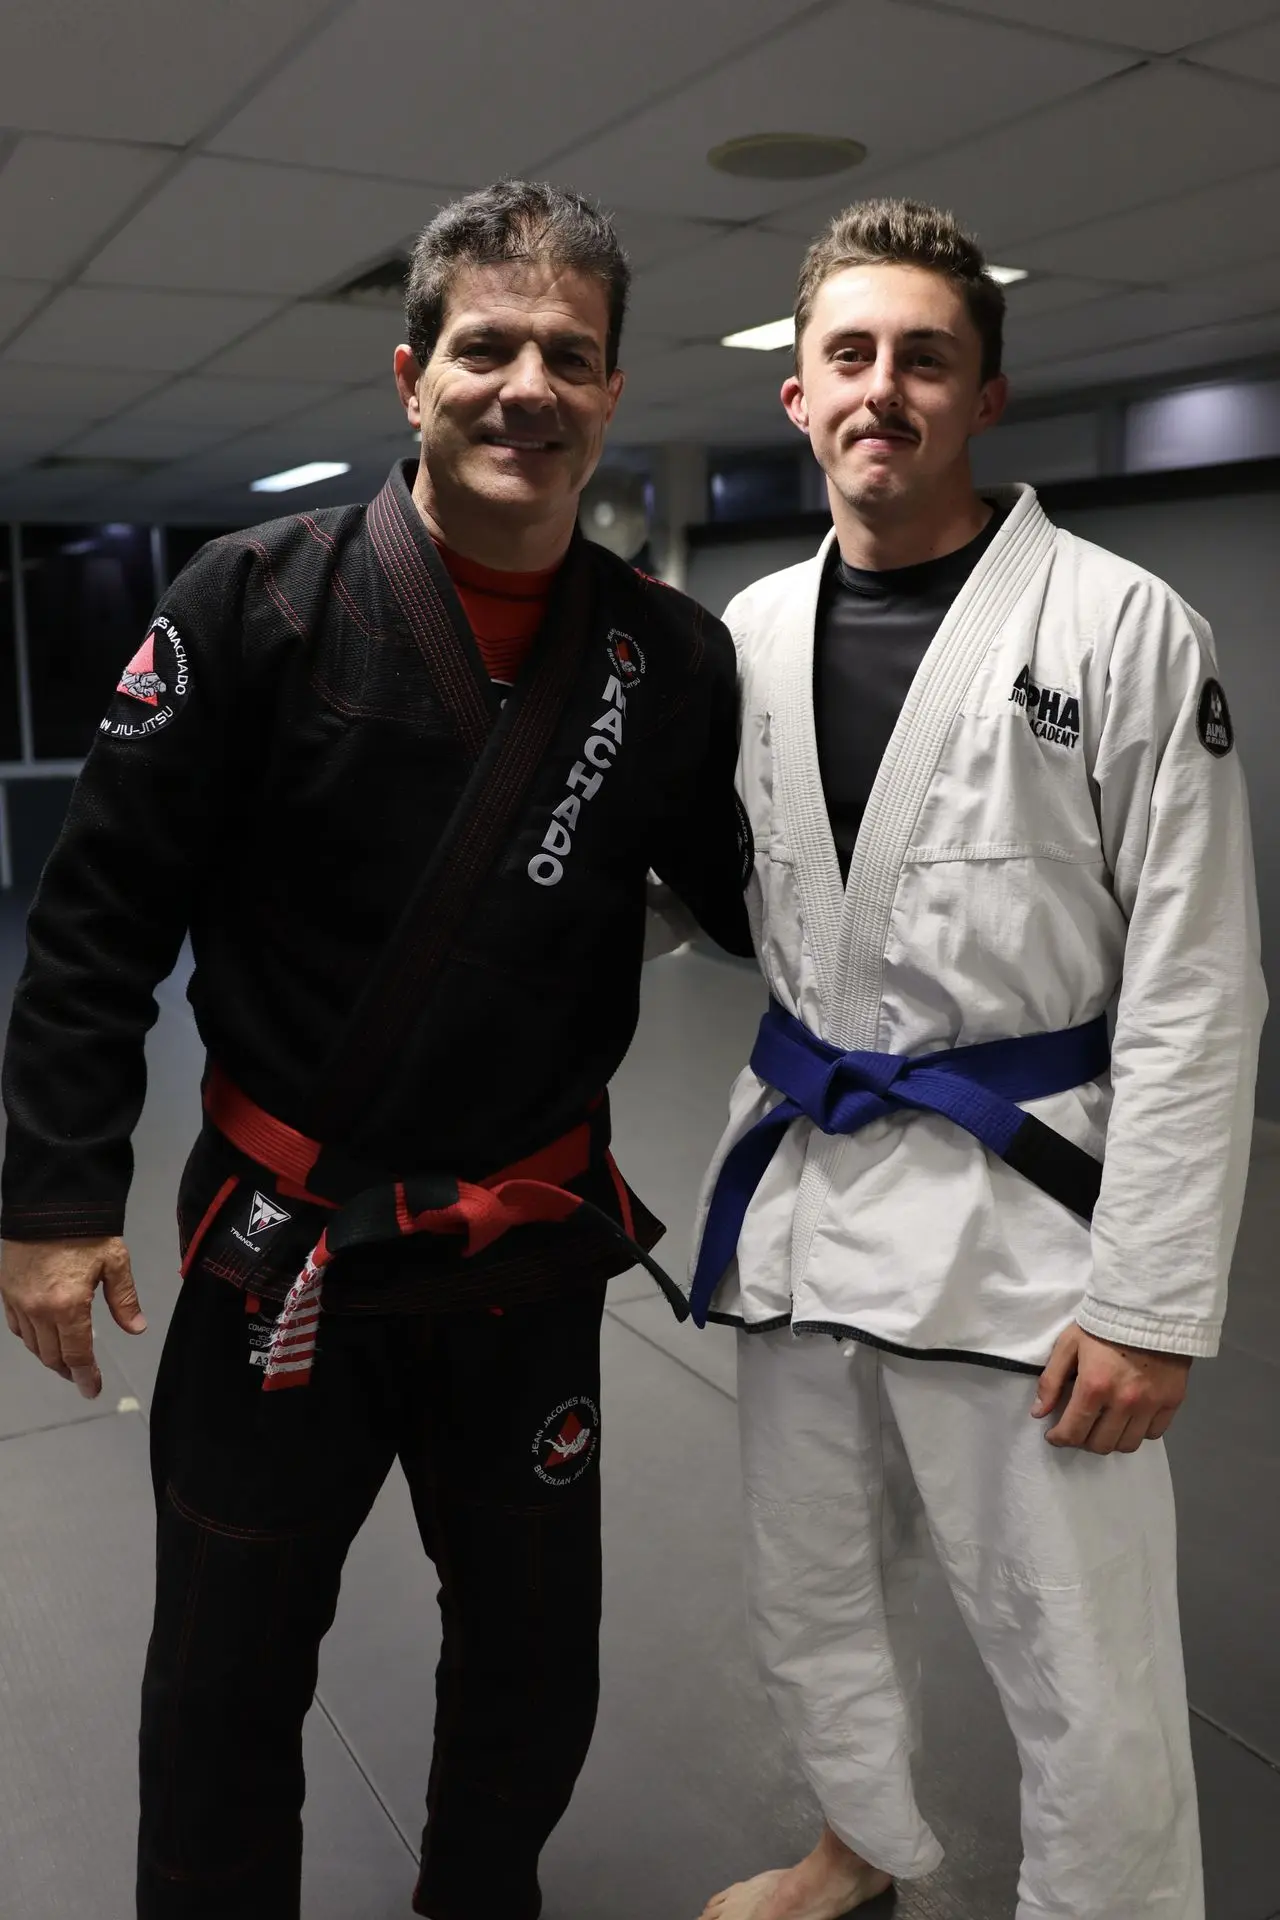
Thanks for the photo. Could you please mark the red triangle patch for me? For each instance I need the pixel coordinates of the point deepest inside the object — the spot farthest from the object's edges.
(139, 679)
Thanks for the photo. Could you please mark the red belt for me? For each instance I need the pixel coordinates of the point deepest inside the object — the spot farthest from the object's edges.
(480, 1212)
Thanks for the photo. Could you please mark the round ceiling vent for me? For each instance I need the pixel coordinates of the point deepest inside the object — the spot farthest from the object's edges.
(786, 156)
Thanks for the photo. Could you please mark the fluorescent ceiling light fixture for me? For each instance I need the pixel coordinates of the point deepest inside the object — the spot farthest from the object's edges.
(300, 476)
(765, 339)
(781, 333)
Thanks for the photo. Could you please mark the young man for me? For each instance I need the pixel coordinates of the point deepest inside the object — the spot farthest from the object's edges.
(991, 778)
(455, 737)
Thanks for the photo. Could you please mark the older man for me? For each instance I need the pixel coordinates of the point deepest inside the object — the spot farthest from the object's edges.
(402, 772)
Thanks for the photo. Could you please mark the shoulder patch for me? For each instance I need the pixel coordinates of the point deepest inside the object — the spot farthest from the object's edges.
(1213, 721)
(153, 687)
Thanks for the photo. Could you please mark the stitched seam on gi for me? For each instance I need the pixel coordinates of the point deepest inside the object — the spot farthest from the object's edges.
(402, 567)
(277, 593)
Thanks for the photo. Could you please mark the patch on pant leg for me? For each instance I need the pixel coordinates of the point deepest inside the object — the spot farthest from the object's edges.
(565, 1444)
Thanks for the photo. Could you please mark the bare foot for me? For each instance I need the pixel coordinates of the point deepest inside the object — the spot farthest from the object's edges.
(829, 1884)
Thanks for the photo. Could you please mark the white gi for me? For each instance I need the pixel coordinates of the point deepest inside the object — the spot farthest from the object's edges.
(1058, 828)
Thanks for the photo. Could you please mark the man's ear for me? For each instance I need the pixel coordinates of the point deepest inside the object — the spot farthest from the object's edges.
(793, 400)
(616, 382)
(992, 402)
(408, 374)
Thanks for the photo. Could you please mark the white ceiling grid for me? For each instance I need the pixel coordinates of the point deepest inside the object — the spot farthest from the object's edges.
(181, 186)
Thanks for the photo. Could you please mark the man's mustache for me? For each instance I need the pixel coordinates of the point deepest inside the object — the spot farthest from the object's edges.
(877, 429)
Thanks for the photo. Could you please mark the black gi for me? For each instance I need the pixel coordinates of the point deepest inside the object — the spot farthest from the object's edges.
(417, 919)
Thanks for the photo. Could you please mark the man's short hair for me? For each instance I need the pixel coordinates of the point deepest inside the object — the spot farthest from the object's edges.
(906, 233)
(513, 220)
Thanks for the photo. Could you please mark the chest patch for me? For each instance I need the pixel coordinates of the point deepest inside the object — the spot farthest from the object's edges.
(1213, 721)
(1053, 713)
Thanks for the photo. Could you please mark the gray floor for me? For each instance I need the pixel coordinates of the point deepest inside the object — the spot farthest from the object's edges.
(688, 1784)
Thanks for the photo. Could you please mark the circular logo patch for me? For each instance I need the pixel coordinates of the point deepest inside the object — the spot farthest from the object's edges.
(1213, 721)
(627, 656)
(565, 1444)
(152, 687)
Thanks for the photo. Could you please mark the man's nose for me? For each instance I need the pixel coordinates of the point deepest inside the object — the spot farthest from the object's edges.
(884, 388)
(527, 383)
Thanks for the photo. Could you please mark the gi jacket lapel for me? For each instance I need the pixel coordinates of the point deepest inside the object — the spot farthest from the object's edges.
(507, 744)
(911, 759)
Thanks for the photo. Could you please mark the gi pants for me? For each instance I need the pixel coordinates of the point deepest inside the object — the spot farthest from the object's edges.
(1062, 1564)
(494, 1419)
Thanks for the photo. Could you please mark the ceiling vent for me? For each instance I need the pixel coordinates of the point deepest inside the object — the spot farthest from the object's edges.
(787, 156)
(96, 463)
(381, 285)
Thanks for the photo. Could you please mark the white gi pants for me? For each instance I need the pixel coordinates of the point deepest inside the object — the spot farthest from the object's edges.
(1062, 1564)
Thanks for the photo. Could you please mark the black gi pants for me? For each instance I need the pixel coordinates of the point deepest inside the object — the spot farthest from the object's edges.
(494, 1419)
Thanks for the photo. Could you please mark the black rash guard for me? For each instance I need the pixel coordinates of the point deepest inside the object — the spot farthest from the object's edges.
(873, 631)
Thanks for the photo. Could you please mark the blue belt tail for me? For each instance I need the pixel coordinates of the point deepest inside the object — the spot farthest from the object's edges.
(978, 1087)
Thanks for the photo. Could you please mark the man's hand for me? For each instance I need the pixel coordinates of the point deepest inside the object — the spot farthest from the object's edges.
(1120, 1396)
(48, 1287)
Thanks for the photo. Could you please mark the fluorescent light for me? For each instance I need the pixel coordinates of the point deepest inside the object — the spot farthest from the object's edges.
(765, 339)
(1006, 276)
(300, 476)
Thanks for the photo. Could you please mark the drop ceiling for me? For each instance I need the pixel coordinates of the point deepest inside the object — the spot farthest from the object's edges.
(183, 185)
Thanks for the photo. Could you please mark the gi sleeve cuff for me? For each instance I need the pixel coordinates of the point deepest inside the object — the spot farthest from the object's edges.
(1130, 1327)
(61, 1223)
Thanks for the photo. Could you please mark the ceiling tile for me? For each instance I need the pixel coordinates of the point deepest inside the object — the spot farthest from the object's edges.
(347, 345)
(58, 196)
(25, 440)
(373, 94)
(235, 225)
(1049, 293)
(835, 73)
(18, 298)
(74, 392)
(138, 67)
(1105, 151)
(1213, 227)
(1155, 26)
(651, 237)
(164, 332)
(1148, 316)
(360, 414)
(1197, 349)
(127, 438)
(1256, 55)
(199, 401)
(694, 374)
(739, 282)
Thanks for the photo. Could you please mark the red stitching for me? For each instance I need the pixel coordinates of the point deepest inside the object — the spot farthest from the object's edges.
(277, 592)
(340, 585)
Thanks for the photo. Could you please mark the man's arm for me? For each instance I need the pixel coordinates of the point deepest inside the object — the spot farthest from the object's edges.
(704, 853)
(108, 921)
(1176, 833)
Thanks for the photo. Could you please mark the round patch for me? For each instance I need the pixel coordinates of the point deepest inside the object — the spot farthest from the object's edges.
(565, 1444)
(1213, 721)
(627, 656)
(153, 686)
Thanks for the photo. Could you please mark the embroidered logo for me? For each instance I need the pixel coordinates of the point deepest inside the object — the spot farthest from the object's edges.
(599, 752)
(1213, 721)
(264, 1217)
(565, 1444)
(627, 656)
(140, 679)
(155, 680)
(1054, 714)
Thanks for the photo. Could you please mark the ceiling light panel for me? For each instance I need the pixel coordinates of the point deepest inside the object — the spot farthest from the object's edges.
(305, 476)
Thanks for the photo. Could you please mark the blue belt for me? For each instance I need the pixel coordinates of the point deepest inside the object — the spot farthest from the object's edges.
(977, 1087)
